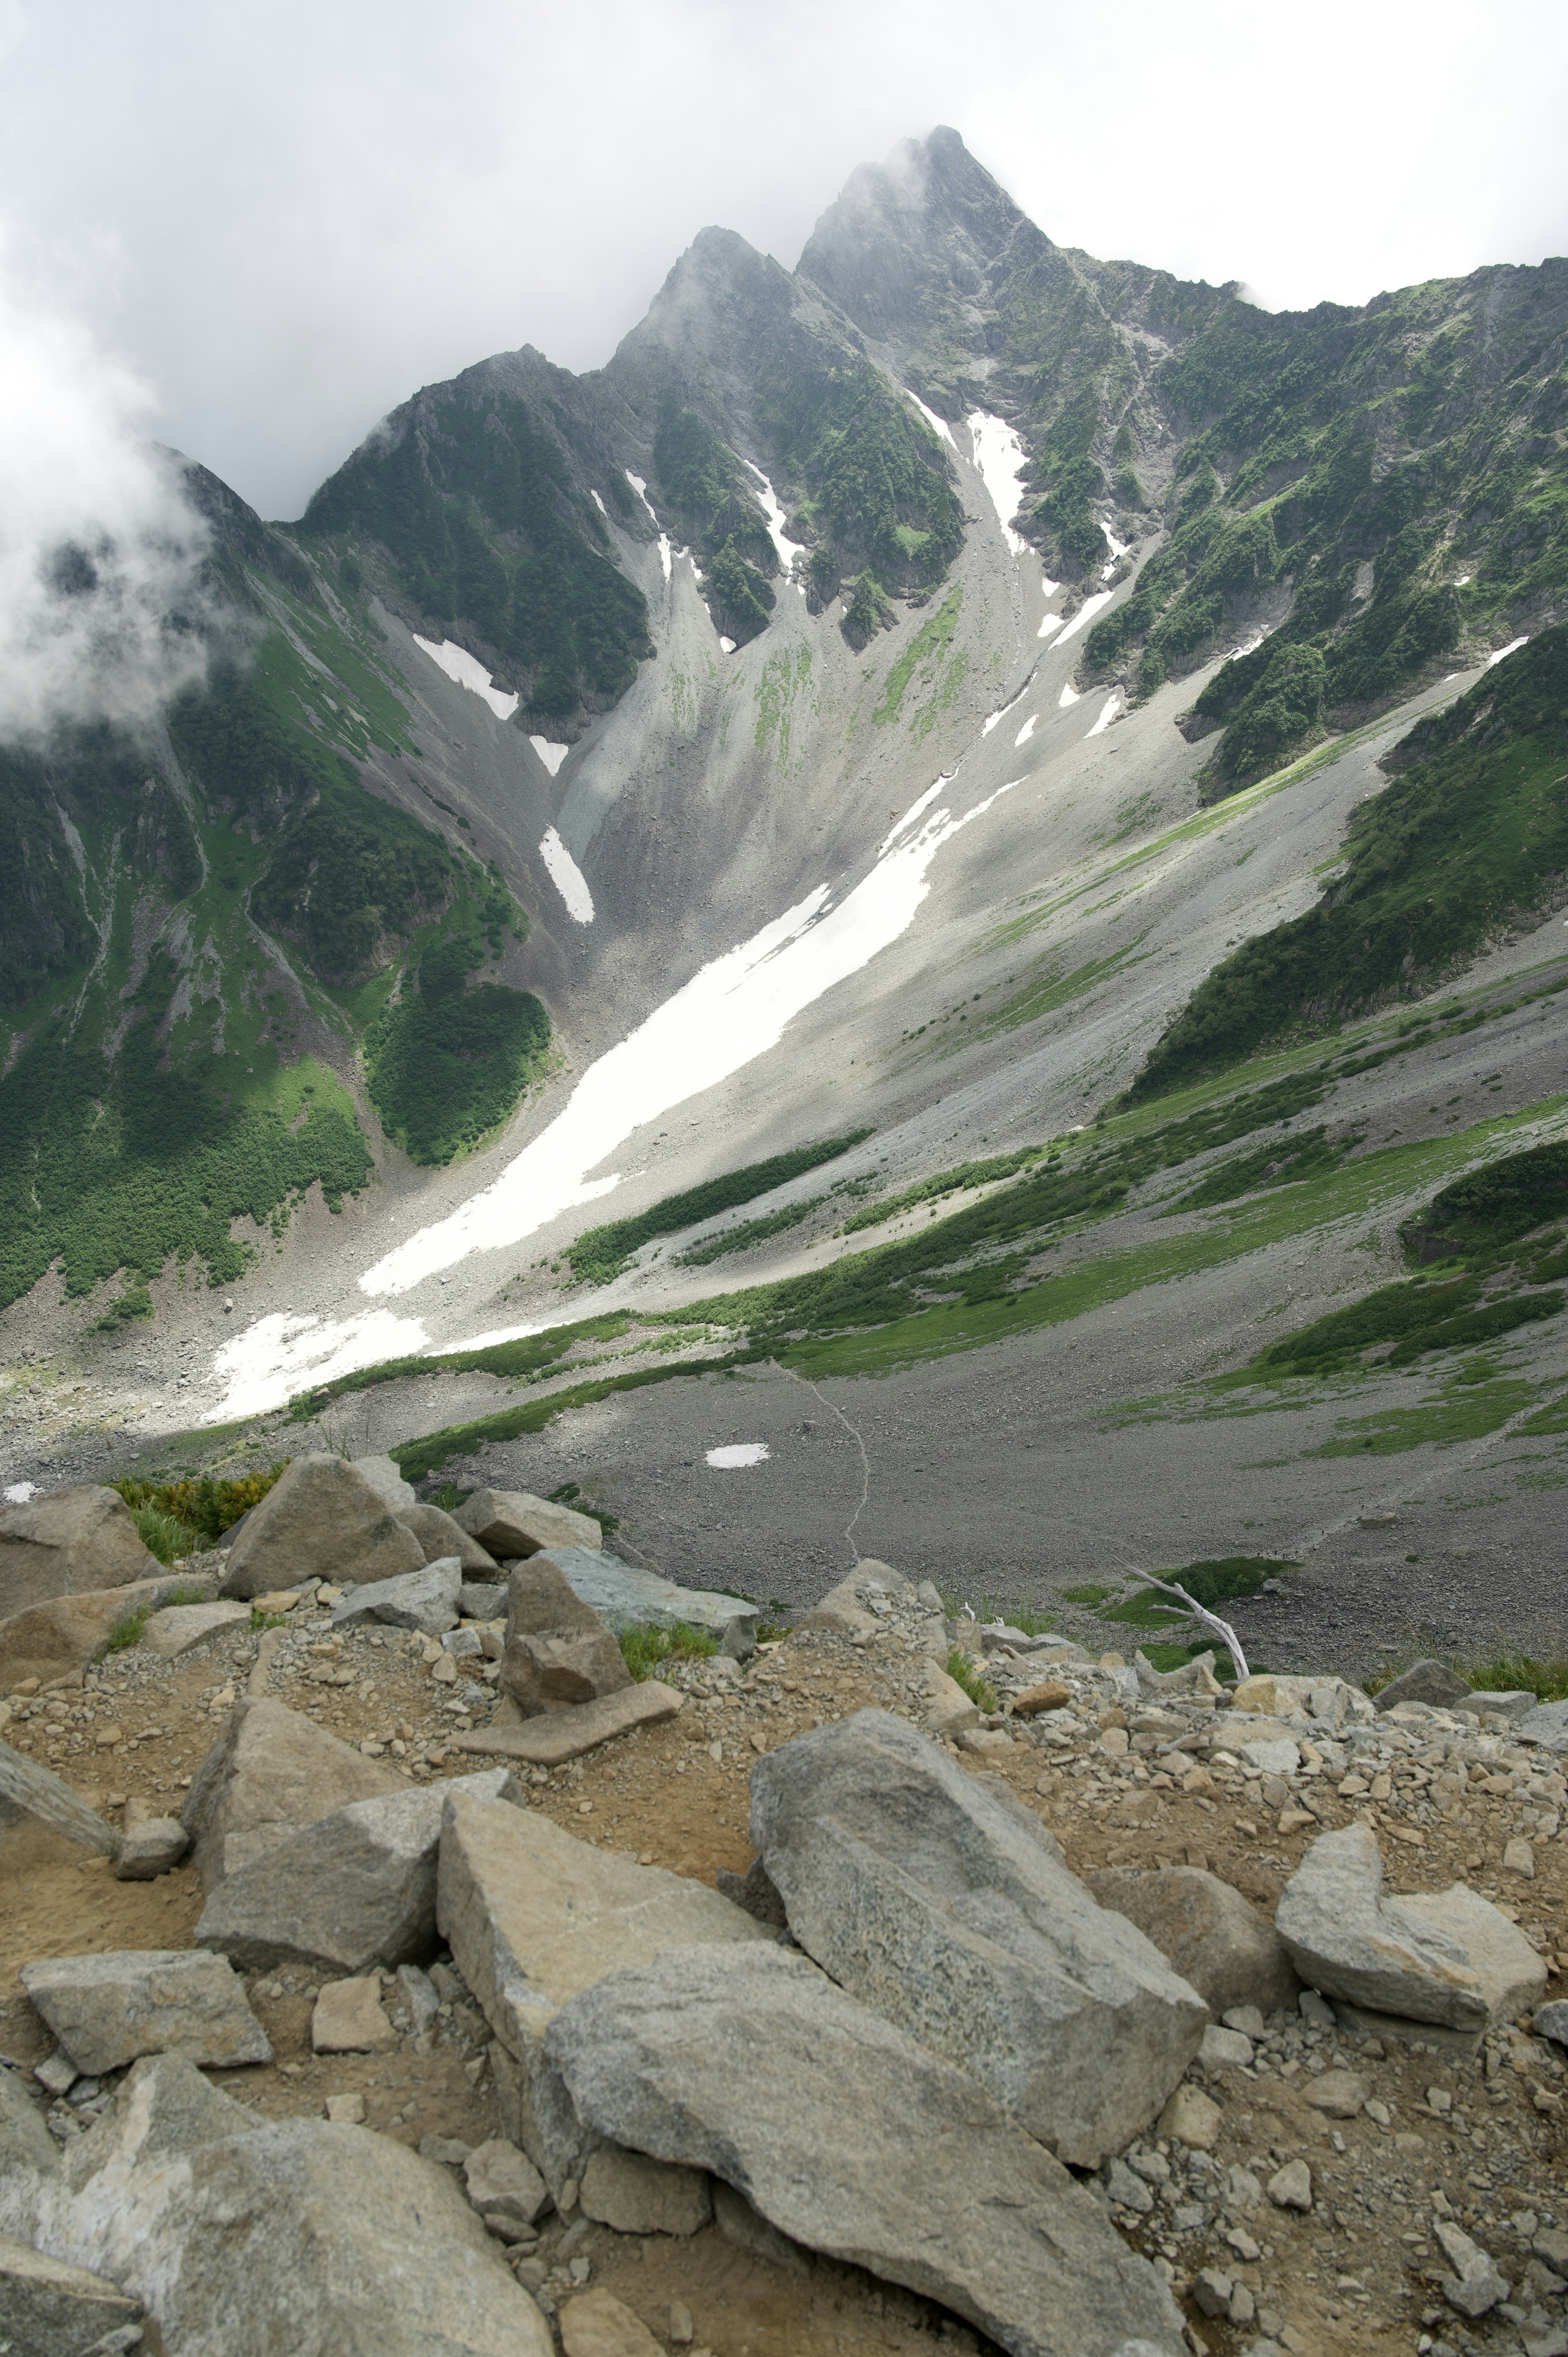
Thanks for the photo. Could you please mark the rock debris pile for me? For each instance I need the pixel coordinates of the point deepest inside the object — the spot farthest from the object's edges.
(1088, 2025)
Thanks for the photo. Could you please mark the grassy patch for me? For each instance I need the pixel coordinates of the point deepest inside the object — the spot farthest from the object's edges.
(1460, 1409)
(202, 1508)
(925, 654)
(750, 1232)
(164, 1535)
(130, 1628)
(646, 1647)
(965, 1672)
(601, 1254)
(415, 1458)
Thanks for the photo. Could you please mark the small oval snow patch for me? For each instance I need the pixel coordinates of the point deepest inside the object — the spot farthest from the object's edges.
(744, 1452)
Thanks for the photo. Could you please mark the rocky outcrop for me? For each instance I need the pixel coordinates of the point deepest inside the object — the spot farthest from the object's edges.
(322, 1519)
(68, 1542)
(106, 2010)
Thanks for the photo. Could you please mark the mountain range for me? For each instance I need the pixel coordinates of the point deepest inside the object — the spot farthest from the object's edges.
(973, 829)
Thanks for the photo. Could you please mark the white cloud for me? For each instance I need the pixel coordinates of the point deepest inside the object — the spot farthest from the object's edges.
(98, 550)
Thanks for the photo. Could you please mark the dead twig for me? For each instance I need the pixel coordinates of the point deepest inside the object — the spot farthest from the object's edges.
(1199, 1612)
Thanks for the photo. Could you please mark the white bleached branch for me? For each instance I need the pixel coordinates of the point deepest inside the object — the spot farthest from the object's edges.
(1199, 1612)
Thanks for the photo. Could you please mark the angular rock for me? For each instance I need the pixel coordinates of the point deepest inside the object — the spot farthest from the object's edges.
(1192, 2118)
(1511, 1974)
(164, 2108)
(1401, 1956)
(922, 1894)
(948, 1709)
(71, 1540)
(1051, 1695)
(441, 1534)
(1290, 2188)
(150, 1848)
(1551, 2021)
(1207, 1931)
(504, 2187)
(271, 1772)
(558, 1650)
(627, 1598)
(481, 1600)
(321, 1520)
(1514, 1704)
(1225, 2050)
(513, 1523)
(28, 2154)
(107, 2010)
(533, 1916)
(753, 1890)
(1429, 1681)
(562, 1734)
(1193, 1682)
(1339, 2093)
(48, 2308)
(747, 2230)
(596, 2324)
(301, 2236)
(347, 2019)
(1476, 2287)
(853, 2138)
(179, 1626)
(52, 1640)
(1547, 1725)
(639, 2196)
(354, 1891)
(425, 1599)
(1271, 1758)
(388, 1483)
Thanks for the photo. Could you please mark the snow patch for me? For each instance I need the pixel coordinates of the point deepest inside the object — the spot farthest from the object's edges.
(787, 549)
(1068, 696)
(916, 809)
(280, 1355)
(1011, 705)
(726, 646)
(640, 485)
(1463, 580)
(460, 667)
(1085, 614)
(999, 462)
(741, 1452)
(1049, 622)
(550, 755)
(1503, 653)
(938, 425)
(1027, 730)
(1107, 711)
(567, 877)
(1118, 550)
(599, 504)
(18, 1492)
(732, 1011)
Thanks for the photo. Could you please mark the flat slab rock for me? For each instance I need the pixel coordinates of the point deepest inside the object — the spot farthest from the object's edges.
(353, 1890)
(425, 1599)
(511, 1524)
(48, 2308)
(1448, 1957)
(950, 1912)
(179, 1626)
(533, 1916)
(559, 1735)
(625, 1595)
(853, 2139)
(105, 2010)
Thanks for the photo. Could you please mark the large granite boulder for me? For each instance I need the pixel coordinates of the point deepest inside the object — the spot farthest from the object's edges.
(853, 2138)
(56, 1639)
(1429, 1681)
(1215, 1939)
(321, 1520)
(627, 1597)
(107, 2010)
(513, 1524)
(68, 1541)
(271, 1772)
(922, 1894)
(441, 1534)
(558, 1650)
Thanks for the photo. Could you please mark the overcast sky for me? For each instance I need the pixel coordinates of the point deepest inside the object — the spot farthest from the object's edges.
(284, 218)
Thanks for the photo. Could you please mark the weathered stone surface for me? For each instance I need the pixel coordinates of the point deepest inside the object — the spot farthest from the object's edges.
(441, 1534)
(355, 1890)
(480, 1599)
(948, 1709)
(561, 1735)
(1401, 1956)
(70, 1540)
(164, 2108)
(532, 1916)
(271, 1772)
(297, 2235)
(1192, 2118)
(512, 1523)
(179, 1626)
(1193, 1682)
(596, 2324)
(750, 2231)
(1225, 2050)
(25, 2143)
(347, 2019)
(1207, 1931)
(625, 1596)
(921, 1894)
(107, 2010)
(1476, 2287)
(1339, 2093)
(1290, 2188)
(388, 1483)
(149, 1848)
(639, 2196)
(322, 1519)
(425, 1599)
(1512, 1976)
(1547, 1725)
(504, 2186)
(855, 2139)
(558, 1650)
(753, 1890)
(1428, 1682)
(51, 1641)
(1051, 1695)
(48, 2308)
(36, 1792)
(1551, 2021)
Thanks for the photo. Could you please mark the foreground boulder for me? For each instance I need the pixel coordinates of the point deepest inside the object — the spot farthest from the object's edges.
(300, 2236)
(58, 1638)
(50, 2309)
(558, 1650)
(70, 1541)
(443, 1534)
(270, 1773)
(851, 2137)
(1409, 1957)
(322, 1519)
(1207, 1931)
(354, 1891)
(105, 2010)
(425, 1599)
(177, 1627)
(923, 1897)
(1429, 1681)
(513, 1524)
(626, 1597)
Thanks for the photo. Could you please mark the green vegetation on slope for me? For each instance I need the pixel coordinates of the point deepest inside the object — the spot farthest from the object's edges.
(704, 482)
(601, 1254)
(878, 494)
(446, 1063)
(470, 493)
(1470, 834)
(750, 1232)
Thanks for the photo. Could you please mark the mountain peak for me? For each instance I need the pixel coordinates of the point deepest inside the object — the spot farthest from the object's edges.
(923, 228)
